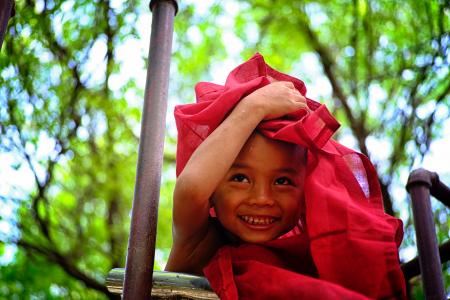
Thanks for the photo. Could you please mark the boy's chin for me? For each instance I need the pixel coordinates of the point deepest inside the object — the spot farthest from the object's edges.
(261, 238)
(257, 238)
(235, 239)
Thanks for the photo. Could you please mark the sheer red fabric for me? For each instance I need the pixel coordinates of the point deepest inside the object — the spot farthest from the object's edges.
(348, 248)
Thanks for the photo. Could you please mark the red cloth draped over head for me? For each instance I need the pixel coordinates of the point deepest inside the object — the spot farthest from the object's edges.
(349, 247)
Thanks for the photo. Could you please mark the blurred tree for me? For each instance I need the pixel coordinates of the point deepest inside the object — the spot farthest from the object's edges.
(67, 119)
(386, 65)
(62, 121)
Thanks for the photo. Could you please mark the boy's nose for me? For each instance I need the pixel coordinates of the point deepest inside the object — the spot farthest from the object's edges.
(261, 195)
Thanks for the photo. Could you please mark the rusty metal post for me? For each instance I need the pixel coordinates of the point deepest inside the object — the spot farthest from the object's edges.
(419, 184)
(5, 13)
(141, 243)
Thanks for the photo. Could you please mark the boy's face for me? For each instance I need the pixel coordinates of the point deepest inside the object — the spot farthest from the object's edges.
(259, 198)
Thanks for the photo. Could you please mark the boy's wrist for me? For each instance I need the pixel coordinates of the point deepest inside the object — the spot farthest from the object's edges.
(250, 104)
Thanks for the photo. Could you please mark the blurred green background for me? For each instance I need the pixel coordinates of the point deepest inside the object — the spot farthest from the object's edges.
(72, 75)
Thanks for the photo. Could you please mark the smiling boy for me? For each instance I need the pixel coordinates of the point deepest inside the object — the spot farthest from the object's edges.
(267, 205)
(254, 183)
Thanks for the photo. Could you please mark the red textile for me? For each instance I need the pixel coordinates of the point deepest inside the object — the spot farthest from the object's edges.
(349, 249)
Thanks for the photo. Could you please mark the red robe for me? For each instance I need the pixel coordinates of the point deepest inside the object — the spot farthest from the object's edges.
(348, 248)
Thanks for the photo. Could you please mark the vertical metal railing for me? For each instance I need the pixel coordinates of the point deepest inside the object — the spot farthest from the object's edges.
(141, 244)
(420, 184)
(5, 13)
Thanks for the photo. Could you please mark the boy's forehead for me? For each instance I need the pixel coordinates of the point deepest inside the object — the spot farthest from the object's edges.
(258, 140)
(259, 146)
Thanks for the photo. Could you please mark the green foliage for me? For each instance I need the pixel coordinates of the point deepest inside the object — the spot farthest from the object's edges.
(33, 277)
(68, 125)
(164, 233)
(63, 124)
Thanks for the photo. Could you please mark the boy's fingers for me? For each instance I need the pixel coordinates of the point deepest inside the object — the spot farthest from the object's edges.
(298, 96)
(287, 84)
(301, 102)
(294, 93)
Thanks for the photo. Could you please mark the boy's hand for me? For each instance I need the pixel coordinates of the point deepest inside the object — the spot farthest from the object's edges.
(276, 99)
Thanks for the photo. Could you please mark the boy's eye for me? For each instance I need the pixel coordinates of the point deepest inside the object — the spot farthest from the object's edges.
(283, 181)
(239, 178)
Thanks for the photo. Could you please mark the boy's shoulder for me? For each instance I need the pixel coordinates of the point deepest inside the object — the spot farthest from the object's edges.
(193, 254)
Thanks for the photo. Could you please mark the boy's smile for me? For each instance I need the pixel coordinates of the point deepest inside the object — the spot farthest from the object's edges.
(259, 198)
(258, 220)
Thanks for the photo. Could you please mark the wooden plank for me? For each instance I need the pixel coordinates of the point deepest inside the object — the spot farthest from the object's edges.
(167, 285)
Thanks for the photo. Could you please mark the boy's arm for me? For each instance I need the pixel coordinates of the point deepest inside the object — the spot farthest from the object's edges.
(214, 157)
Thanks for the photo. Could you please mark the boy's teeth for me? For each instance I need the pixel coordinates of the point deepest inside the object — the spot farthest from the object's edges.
(258, 220)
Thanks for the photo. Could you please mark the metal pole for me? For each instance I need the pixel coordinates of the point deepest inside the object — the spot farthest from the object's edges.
(419, 184)
(412, 267)
(141, 243)
(439, 190)
(5, 13)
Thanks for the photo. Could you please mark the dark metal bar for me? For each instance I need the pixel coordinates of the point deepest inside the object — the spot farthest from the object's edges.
(141, 243)
(5, 13)
(412, 268)
(439, 190)
(419, 184)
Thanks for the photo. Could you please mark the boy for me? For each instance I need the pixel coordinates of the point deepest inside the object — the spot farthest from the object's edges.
(254, 186)
(258, 218)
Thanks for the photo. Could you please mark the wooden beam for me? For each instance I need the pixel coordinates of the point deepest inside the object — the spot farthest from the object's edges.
(167, 285)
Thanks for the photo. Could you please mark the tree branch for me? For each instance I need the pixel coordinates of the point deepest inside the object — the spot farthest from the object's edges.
(368, 59)
(354, 43)
(65, 264)
(430, 121)
(408, 118)
(357, 127)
